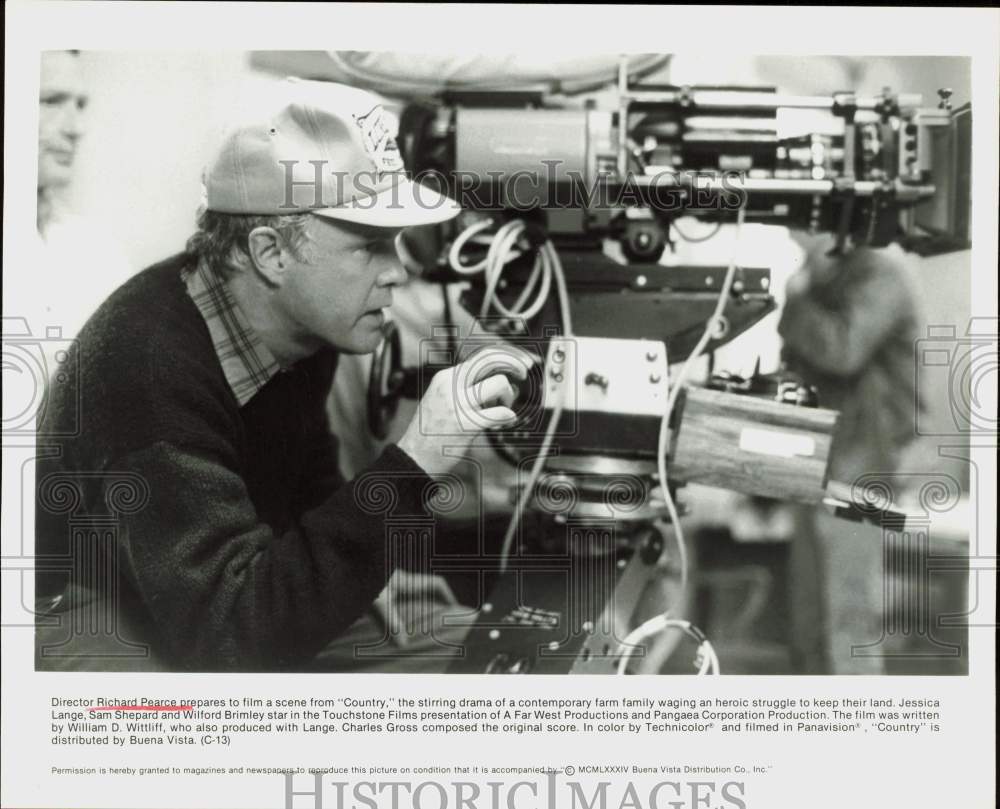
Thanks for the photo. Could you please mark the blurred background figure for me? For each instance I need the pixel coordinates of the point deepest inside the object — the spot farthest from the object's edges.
(849, 325)
(62, 100)
(77, 263)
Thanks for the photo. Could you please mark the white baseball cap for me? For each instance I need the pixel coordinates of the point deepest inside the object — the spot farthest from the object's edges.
(327, 150)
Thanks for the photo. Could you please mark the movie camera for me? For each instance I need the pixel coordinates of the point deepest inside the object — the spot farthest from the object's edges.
(568, 209)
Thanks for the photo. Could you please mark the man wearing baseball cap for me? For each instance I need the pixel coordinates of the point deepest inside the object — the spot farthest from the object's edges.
(193, 439)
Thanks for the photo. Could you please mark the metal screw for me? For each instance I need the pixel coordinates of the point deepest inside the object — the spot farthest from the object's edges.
(494, 634)
(487, 607)
(640, 281)
(654, 378)
(558, 355)
(651, 356)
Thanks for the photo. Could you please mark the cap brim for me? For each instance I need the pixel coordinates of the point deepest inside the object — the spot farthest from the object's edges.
(404, 204)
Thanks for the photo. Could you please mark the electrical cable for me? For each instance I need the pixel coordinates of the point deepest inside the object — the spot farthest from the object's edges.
(498, 257)
(662, 620)
(502, 251)
(695, 239)
(536, 470)
(658, 623)
(455, 253)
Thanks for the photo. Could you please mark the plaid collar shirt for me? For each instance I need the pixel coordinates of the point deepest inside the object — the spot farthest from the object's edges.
(247, 363)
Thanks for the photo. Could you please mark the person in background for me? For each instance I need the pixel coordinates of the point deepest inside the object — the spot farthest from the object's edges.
(77, 263)
(849, 325)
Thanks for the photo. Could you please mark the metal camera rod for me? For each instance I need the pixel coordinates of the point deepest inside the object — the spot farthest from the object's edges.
(865, 166)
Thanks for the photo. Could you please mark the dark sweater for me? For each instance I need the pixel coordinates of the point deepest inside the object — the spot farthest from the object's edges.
(233, 541)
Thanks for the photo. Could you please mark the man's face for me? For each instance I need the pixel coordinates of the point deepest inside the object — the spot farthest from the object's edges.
(336, 292)
(61, 101)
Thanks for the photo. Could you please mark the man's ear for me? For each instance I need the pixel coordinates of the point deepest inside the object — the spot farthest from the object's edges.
(267, 255)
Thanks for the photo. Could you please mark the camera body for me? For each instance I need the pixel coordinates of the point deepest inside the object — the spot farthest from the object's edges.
(877, 168)
(613, 391)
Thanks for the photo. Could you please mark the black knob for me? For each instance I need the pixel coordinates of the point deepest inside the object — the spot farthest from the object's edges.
(945, 95)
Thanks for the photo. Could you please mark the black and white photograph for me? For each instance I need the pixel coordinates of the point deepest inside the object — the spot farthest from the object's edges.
(659, 363)
(631, 367)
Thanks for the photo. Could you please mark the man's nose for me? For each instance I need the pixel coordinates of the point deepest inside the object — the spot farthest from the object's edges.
(392, 272)
(71, 122)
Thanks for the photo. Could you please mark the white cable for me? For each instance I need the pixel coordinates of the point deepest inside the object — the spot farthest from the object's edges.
(661, 451)
(706, 662)
(550, 430)
(502, 251)
(455, 253)
(542, 270)
(699, 348)
(498, 257)
(659, 623)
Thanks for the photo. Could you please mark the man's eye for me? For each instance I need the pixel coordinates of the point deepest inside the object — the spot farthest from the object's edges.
(63, 99)
(377, 246)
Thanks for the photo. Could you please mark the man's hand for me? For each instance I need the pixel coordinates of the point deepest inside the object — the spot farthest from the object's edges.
(462, 401)
(408, 601)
